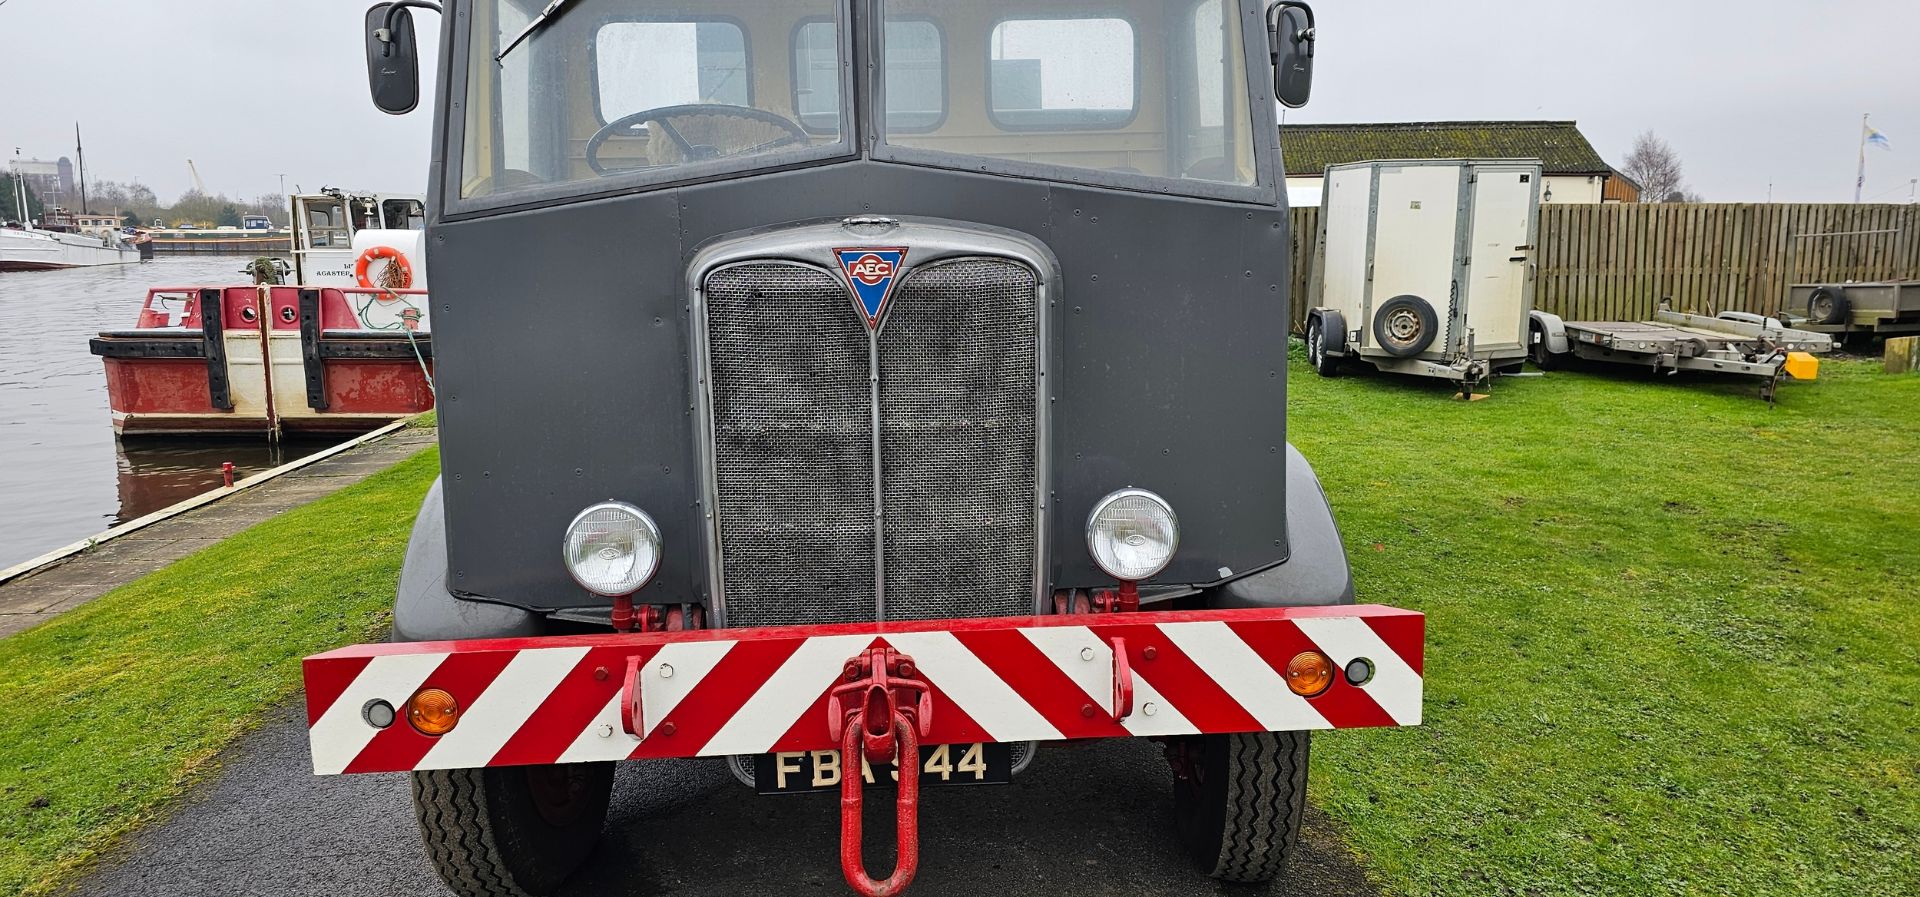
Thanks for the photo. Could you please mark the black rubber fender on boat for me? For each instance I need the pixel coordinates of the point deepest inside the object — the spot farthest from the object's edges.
(425, 611)
(1316, 572)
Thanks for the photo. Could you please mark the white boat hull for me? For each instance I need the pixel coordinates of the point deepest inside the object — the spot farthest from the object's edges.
(37, 250)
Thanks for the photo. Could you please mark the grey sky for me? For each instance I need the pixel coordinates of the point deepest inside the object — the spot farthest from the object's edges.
(1751, 94)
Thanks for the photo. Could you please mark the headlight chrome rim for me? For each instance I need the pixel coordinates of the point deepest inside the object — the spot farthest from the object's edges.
(646, 537)
(1107, 560)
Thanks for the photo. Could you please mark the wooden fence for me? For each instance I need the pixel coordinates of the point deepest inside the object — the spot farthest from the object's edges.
(1616, 262)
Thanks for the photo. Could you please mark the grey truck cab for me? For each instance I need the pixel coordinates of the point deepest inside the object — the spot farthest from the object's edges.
(887, 320)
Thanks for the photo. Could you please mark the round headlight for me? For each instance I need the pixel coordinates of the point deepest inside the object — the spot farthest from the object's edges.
(1132, 534)
(612, 549)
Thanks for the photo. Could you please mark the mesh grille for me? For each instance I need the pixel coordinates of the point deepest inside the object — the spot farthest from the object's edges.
(793, 454)
(957, 442)
(793, 451)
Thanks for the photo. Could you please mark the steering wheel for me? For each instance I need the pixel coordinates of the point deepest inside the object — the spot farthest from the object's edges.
(694, 152)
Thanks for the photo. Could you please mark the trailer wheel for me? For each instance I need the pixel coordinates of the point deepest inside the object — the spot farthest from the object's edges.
(511, 831)
(1405, 326)
(1238, 801)
(1828, 305)
(1324, 364)
(1538, 351)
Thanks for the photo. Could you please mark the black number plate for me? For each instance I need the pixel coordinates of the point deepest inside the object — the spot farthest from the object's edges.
(942, 764)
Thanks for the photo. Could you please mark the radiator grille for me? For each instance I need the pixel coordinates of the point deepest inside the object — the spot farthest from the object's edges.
(793, 455)
(793, 458)
(957, 363)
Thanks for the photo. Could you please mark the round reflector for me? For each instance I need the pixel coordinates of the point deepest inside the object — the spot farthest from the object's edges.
(433, 711)
(378, 714)
(1309, 673)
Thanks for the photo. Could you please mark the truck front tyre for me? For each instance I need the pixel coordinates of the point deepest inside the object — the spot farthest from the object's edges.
(1239, 799)
(511, 831)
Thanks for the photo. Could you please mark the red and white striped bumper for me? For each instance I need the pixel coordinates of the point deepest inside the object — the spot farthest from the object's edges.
(752, 691)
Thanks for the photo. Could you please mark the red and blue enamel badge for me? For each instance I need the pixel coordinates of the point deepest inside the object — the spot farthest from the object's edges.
(871, 273)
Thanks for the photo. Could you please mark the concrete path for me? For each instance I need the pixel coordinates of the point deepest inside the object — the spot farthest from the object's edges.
(64, 585)
(1083, 821)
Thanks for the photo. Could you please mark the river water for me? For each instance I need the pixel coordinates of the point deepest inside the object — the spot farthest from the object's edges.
(64, 476)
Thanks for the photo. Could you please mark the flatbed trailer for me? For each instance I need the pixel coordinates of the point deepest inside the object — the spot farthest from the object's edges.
(1844, 309)
(1733, 343)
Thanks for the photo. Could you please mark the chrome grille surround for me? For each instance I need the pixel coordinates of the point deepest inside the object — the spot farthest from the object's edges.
(957, 421)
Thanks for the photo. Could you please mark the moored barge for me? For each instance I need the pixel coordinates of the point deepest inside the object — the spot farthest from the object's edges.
(271, 359)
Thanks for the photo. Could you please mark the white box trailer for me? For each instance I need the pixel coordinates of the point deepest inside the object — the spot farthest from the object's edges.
(1428, 267)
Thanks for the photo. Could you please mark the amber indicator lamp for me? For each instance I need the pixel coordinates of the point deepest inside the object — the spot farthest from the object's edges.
(433, 711)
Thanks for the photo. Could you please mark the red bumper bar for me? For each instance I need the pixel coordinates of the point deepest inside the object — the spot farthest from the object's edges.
(870, 691)
(751, 691)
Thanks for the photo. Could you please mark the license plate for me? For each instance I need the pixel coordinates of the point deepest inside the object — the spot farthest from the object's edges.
(940, 764)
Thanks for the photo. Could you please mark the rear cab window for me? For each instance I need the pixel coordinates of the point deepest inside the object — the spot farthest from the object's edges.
(648, 65)
(916, 76)
(1051, 74)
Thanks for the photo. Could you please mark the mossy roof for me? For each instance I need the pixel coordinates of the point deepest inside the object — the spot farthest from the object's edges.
(1559, 145)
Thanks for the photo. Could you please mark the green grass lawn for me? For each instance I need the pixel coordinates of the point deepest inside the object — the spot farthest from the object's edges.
(1673, 638)
(114, 708)
(1673, 643)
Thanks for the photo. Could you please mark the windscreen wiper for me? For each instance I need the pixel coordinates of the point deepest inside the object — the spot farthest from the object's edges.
(552, 10)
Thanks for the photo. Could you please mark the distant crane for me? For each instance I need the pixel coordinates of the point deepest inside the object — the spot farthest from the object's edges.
(199, 186)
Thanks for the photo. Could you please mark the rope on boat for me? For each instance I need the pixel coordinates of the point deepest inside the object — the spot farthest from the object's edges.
(392, 277)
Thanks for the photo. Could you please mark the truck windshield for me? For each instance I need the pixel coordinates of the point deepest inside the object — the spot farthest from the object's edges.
(1110, 91)
(646, 88)
(1126, 87)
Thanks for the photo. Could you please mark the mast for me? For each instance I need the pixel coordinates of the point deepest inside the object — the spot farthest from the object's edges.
(20, 192)
(1860, 185)
(80, 149)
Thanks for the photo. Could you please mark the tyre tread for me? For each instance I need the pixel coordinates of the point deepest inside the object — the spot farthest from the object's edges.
(1265, 799)
(454, 823)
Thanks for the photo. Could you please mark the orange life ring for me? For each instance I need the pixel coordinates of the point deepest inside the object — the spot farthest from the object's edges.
(393, 256)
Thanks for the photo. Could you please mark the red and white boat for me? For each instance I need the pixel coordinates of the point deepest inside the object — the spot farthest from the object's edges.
(313, 358)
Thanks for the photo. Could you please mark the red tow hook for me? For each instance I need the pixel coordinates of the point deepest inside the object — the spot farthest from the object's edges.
(906, 814)
(878, 715)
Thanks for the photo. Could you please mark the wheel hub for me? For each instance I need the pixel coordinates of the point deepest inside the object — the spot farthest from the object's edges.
(1403, 326)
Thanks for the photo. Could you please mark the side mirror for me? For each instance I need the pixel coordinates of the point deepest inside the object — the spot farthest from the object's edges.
(393, 56)
(1290, 34)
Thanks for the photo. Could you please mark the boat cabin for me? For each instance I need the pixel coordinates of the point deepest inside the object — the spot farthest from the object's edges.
(324, 224)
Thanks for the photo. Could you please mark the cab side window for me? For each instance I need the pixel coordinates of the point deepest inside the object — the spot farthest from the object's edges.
(404, 214)
(326, 226)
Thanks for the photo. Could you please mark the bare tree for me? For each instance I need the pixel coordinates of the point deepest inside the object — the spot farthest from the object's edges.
(1656, 168)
